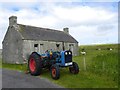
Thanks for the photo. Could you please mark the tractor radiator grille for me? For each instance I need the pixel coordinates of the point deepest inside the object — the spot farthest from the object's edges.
(68, 56)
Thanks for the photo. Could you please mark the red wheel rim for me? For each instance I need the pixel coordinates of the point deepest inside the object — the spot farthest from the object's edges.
(53, 72)
(32, 65)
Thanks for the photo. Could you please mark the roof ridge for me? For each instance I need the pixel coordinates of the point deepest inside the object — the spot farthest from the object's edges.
(33, 32)
(42, 28)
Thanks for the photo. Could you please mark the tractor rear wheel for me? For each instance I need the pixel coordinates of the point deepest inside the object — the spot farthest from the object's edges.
(74, 68)
(34, 64)
(55, 72)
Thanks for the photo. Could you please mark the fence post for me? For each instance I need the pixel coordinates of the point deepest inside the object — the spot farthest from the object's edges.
(84, 63)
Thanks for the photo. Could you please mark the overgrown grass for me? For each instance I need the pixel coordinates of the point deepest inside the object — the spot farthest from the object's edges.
(101, 69)
(0, 63)
(106, 65)
(84, 79)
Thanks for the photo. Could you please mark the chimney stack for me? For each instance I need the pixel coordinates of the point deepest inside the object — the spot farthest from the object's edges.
(12, 20)
(66, 30)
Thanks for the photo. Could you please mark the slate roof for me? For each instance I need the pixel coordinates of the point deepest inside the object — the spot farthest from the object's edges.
(45, 34)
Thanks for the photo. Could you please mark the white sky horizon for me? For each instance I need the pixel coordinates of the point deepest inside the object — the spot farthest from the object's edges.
(88, 22)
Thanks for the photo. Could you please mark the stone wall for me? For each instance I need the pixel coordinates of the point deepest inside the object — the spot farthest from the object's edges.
(30, 46)
(12, 46)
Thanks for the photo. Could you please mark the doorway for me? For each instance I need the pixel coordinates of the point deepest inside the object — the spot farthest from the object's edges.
(71, 47)
(57, 47)
(36, 49)
(41, 49)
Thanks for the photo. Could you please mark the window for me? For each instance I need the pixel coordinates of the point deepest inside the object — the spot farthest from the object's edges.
(57, 46)
(35, 45)
(36, 49)
(71, 45)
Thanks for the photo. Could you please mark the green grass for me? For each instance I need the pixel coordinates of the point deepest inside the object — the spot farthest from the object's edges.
(97, 74)
(0, 63)
(82, 80)
(106, 65)
(19, 67)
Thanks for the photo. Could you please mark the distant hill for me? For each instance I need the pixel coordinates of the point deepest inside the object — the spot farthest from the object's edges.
(102, 47)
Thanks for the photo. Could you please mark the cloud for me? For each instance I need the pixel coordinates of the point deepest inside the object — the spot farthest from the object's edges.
(84, 15)
(88, 24)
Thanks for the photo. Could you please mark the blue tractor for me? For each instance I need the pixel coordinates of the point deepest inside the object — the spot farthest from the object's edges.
(52, 60)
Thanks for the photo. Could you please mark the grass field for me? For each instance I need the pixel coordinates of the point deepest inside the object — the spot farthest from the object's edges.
(101, 69)
(0, 63)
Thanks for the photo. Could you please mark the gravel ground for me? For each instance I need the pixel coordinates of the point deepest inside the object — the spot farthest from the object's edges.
(17, 79)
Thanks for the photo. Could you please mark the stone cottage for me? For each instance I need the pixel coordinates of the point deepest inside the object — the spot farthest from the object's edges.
(21, 40)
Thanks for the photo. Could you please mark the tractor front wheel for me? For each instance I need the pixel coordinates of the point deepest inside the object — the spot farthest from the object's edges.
(55, 72)
(74, 68)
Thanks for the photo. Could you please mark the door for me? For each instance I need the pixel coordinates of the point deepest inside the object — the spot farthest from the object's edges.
(36, 48)
(41, 49)
(71, 47)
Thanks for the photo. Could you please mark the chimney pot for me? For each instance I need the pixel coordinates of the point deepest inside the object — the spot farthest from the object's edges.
(66, 30)
(12, 20)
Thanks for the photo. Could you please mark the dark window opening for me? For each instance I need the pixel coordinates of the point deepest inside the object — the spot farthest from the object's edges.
(71, 45)
(35, 45)
(57, 45)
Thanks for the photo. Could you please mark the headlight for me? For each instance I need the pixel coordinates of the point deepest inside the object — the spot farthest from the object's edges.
(65, 53)
(69, 53)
